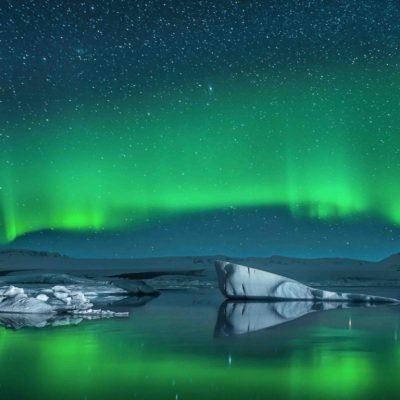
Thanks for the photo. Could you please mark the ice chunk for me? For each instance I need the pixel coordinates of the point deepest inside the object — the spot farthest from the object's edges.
(60, 289)
(21, 303)
(12, 291)
(118, 284)
(240, 282)
(42, 297)
(58, 300)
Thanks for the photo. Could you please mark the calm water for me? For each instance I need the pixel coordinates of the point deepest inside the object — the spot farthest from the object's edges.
(172, 348)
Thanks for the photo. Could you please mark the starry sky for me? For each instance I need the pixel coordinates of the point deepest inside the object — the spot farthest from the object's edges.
(138, 128)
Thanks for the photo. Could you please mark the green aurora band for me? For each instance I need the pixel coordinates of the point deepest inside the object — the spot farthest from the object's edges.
(324, 145)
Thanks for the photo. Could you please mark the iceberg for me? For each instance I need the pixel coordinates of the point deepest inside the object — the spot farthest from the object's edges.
(18, 309)
(240, 282)
(58, 299)
(110, 284)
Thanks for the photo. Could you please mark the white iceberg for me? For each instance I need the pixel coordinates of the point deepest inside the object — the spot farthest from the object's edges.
(241, 282)
(58, 300)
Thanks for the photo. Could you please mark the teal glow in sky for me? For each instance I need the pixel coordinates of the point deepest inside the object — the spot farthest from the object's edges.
(96, 138)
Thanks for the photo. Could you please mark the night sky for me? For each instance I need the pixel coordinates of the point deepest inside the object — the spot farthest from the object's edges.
(138, 128)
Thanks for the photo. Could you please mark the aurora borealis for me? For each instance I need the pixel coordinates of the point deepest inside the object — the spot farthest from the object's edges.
(115, 114)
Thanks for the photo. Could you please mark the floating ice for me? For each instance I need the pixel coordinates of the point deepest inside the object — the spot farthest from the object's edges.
(240, 282)
(17, 306)
(116, 284)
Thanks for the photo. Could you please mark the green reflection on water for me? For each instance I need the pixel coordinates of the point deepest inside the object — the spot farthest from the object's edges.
(118, 359)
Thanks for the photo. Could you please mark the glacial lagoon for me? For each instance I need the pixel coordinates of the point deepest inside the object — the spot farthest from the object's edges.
(182, 345)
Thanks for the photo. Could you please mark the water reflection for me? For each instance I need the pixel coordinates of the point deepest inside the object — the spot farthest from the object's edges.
(167, 349)
(241, 317)
(19, 321)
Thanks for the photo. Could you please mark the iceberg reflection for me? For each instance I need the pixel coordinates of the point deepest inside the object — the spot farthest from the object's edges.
(240, 317)
(18, 321)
